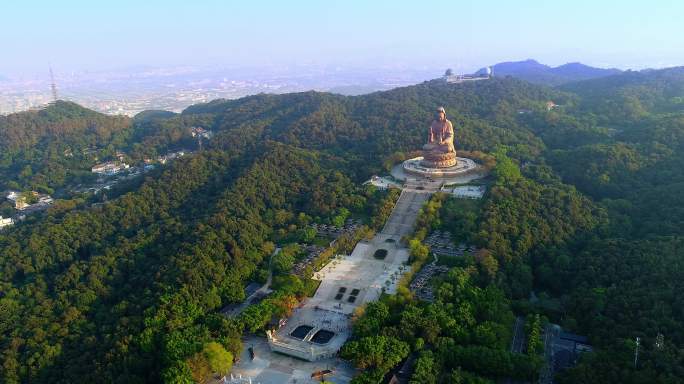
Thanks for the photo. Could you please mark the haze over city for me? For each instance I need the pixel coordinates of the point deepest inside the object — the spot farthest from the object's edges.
(124, 57)
(86, 35)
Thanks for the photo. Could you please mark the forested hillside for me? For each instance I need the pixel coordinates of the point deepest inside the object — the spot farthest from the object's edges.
(631, 96)
(584, 208)
(56, 146)
(44, 149)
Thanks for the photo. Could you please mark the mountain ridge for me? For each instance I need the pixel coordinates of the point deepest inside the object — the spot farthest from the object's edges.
(538, 73)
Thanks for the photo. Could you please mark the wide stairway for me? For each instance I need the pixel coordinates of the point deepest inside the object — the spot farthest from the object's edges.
(404, 214)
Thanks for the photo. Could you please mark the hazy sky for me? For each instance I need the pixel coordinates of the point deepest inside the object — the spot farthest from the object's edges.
(100, 34)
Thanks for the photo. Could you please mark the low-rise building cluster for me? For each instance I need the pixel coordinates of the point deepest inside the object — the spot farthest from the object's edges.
(106, 183)
(482, 74)
(109, 168)
(123, 171)
(29, 201)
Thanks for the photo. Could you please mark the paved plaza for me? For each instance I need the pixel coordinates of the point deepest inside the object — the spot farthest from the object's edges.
(268, 367)
(348, 282)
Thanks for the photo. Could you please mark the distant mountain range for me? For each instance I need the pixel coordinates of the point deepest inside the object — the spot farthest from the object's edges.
(535, 72)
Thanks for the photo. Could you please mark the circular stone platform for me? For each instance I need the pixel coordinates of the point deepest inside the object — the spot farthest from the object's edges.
(439, 160)
(463, 166)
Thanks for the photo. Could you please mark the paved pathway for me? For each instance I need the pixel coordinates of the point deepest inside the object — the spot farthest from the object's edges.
(404, 214)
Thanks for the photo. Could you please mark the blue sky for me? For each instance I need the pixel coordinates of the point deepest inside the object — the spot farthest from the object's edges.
(95, 35)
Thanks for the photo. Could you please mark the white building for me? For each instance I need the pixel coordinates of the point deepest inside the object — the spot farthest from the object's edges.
(469, 191)
(6, 222)
(109, 168)
(382, 182)
(481, 74)
(13, 195)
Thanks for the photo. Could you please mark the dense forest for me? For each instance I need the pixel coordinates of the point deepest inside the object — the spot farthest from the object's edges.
(584, 208)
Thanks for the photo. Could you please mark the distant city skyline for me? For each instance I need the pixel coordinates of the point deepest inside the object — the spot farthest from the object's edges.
(97, 36)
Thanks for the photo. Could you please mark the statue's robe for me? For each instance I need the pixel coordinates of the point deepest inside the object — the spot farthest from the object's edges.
(441, 131)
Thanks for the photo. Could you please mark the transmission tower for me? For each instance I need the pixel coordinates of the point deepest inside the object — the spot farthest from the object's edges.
(636, 352)
(53, 86)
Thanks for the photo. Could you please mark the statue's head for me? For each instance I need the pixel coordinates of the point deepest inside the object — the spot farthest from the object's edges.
(441, 114)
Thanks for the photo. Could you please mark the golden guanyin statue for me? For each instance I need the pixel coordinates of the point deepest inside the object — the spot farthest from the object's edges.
(439, 152)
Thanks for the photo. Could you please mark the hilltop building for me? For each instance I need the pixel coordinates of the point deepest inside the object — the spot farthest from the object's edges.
(482, 74)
